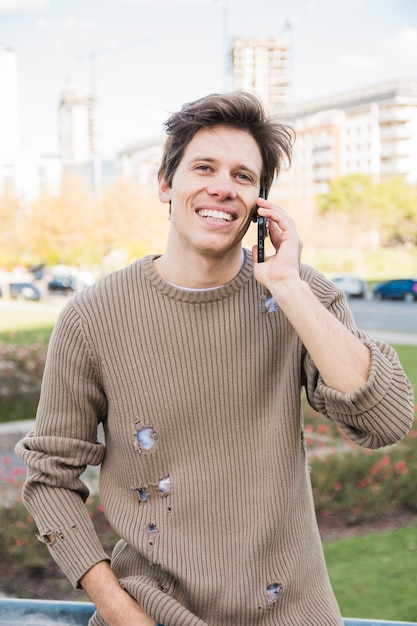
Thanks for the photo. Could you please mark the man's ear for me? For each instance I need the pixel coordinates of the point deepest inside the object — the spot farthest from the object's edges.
(164, 190)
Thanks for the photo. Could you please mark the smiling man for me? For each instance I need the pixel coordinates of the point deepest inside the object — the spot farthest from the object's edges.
(197, 381)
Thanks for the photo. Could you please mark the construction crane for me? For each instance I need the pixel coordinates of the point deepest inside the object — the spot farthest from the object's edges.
(92, 58)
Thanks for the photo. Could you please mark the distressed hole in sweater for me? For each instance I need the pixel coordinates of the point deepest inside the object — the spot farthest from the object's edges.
(143, 494)
(146, 438)
(47, 539)
(153, 529)
(50, 538)
(272, 592)
(164, 486)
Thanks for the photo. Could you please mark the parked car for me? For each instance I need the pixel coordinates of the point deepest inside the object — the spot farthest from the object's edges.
(353, 286)
(398, 289)
(62, 284)
(24, 291)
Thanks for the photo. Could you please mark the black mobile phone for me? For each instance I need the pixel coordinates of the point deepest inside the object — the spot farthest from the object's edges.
(262, 231)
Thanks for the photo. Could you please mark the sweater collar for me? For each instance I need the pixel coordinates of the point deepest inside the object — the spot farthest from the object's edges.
(197, 296)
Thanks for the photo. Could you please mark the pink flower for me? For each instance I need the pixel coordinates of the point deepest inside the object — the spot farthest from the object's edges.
(380, 465)
(322, 429)
(401, 468)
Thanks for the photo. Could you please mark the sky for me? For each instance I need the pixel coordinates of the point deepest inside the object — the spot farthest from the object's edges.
(142, 59)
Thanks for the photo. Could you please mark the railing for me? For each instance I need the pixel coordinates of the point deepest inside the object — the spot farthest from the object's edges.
(51, 612)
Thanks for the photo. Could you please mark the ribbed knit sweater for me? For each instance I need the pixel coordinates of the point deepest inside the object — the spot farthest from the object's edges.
(203, 473)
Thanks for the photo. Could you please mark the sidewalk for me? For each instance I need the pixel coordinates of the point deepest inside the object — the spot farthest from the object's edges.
(409, 339)
(12, 432)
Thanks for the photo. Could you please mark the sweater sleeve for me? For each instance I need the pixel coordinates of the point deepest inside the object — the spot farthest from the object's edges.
(63, 443)
(379, 413)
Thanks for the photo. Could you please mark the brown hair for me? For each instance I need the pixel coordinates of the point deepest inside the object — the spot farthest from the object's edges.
(242, 110)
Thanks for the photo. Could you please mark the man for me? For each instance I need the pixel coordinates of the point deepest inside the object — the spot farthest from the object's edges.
(197, 379)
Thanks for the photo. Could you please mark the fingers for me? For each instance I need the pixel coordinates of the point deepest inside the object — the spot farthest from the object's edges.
(281, 225)
(275, 213)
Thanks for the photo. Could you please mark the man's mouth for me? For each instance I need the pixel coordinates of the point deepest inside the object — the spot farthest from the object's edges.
(215, 215)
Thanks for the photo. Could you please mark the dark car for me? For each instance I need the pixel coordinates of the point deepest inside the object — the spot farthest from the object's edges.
(24, 291)
(398, 289)
(62, 284)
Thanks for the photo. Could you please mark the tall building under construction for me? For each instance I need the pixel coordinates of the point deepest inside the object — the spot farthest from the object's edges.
(261, 64)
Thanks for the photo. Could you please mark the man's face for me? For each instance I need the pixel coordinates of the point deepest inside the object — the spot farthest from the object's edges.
(214, 190)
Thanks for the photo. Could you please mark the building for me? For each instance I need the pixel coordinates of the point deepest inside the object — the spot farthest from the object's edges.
(261, 64)
(372, 131)
(21, 172)
(140, 161)
(76, 128)
(9, 115)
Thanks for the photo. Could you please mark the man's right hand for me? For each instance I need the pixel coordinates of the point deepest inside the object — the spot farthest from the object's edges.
(112, 602)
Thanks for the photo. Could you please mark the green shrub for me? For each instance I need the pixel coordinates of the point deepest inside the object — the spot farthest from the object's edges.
(22, 361)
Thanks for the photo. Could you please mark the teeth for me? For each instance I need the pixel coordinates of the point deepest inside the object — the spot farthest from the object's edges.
(218, 215)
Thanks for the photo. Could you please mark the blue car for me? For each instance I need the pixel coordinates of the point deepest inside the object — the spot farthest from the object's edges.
(399, 289)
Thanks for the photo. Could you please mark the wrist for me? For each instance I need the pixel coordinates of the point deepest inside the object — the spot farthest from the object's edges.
(288, 290)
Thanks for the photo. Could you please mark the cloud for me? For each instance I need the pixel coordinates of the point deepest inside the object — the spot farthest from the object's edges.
(43, 24)
(169, 4)
(23, 5)
(359, 61)
(403, 45)
(73, 23)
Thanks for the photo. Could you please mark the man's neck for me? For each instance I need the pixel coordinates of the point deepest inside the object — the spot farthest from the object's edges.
(199, 271)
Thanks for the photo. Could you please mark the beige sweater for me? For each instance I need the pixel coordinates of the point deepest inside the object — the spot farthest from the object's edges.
(204, 472)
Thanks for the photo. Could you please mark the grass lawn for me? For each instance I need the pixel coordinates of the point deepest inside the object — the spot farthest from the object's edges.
(24, 319)
(408, 358)
(375, 576)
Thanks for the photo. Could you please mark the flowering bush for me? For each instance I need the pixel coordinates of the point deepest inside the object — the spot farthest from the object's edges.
(18, 542)
(357, 483)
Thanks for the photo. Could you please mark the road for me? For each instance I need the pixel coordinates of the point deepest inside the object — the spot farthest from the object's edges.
(394, 317)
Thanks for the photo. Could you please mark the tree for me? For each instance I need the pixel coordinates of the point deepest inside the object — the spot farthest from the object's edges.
(129, 220)
(11, 220)
(59, 227)
(396, 206)
(388, 206)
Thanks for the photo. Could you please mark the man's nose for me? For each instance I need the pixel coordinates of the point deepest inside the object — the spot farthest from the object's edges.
(222, 186)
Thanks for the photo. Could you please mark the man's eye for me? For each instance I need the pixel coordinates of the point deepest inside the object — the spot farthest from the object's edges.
(203, 168)
(244, 177)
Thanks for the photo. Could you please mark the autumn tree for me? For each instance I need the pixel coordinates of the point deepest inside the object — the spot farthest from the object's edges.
(58, 228)
(130, 219)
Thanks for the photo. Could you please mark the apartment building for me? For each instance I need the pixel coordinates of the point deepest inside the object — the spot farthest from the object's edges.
(372, 131)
